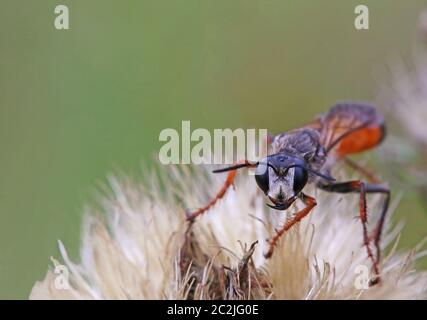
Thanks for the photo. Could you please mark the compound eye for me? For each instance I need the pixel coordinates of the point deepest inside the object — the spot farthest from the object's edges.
(300, 179)
(261, 177)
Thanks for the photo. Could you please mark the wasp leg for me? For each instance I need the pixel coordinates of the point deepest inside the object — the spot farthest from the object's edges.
(310, 203)
(364, 188)
(190, 216)
(376, 235)
(362, 170)
(228, 182)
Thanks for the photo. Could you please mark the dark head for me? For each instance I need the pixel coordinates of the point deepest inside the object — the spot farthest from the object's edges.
(281, 177)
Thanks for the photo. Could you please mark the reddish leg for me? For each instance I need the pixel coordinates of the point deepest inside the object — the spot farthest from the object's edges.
(228, 182)
(364, 219)
(363, 188)
(376, 235)
(310, 203)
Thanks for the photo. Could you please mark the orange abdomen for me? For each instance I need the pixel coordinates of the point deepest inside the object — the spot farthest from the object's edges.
(361, 140)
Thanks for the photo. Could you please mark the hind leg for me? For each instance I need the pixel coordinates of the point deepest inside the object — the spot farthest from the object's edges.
(364, 188)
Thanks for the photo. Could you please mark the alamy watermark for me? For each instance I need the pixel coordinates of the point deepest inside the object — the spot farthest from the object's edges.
(361, 281)
(62, 18)
(361, 22)
(61, 22)
(200, 146)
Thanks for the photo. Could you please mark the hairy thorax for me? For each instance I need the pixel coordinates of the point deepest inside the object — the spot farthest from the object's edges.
(304, 144)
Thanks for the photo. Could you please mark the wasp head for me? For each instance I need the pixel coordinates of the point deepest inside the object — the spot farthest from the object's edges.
(281, 178)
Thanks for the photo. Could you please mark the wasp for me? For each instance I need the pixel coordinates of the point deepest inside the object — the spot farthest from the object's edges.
(307, 155)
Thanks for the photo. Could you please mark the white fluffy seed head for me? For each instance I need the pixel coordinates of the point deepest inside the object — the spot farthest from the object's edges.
(137, 246)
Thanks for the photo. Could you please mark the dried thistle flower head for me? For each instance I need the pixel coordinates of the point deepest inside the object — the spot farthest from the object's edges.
(140, 247)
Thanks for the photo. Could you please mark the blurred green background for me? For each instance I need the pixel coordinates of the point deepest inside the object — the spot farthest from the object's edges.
(76, 105)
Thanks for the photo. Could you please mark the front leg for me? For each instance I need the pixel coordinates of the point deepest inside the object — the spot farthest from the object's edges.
(191, 215)
(310, 203)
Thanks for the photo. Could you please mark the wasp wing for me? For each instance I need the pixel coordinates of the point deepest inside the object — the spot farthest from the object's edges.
(350, 128)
